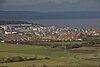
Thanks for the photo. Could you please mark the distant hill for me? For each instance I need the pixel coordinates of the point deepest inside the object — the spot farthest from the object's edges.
(19, 22)
(49, 15)
(13, 22)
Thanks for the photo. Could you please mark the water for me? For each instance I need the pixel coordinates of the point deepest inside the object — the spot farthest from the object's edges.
(66, 19)
(73, 23)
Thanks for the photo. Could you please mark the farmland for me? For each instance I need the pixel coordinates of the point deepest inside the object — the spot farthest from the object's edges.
(77, 57)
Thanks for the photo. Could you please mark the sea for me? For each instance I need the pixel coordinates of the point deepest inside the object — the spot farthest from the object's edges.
(58, 19)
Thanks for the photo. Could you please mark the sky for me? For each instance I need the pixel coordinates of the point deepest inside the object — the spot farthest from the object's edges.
(50, 5)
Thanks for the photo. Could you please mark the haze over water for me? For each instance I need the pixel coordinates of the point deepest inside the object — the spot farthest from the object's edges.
(73, 23)
(58, 19)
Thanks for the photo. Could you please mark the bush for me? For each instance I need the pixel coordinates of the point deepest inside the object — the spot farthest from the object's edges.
(15, 59)
(45, 65)
(47, 58)
(34, 58)
(19, 59)
(2, 60)
(29, 66)
(4, 66)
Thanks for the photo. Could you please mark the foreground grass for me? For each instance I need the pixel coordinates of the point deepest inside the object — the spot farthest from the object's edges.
(80, 57)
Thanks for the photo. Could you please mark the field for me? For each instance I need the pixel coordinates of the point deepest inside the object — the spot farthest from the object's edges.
(77, 57)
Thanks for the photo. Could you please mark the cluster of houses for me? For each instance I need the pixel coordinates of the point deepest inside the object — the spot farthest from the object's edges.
(24, 31)
(11, 27)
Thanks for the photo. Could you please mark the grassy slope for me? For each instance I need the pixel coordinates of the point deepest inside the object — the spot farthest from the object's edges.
(71, 58)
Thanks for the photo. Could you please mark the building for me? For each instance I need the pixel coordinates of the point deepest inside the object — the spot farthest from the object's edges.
(10, 27)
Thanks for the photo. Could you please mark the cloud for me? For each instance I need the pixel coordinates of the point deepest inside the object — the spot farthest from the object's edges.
(69, 5)
(51, 5)
(2, 1)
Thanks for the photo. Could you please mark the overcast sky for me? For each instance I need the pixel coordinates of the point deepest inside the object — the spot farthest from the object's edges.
(50, 5)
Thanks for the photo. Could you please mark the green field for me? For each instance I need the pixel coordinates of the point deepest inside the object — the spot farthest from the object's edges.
(77, 57)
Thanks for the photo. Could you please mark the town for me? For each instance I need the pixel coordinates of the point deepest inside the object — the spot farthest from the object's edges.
(27, 44)
(20, 31)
